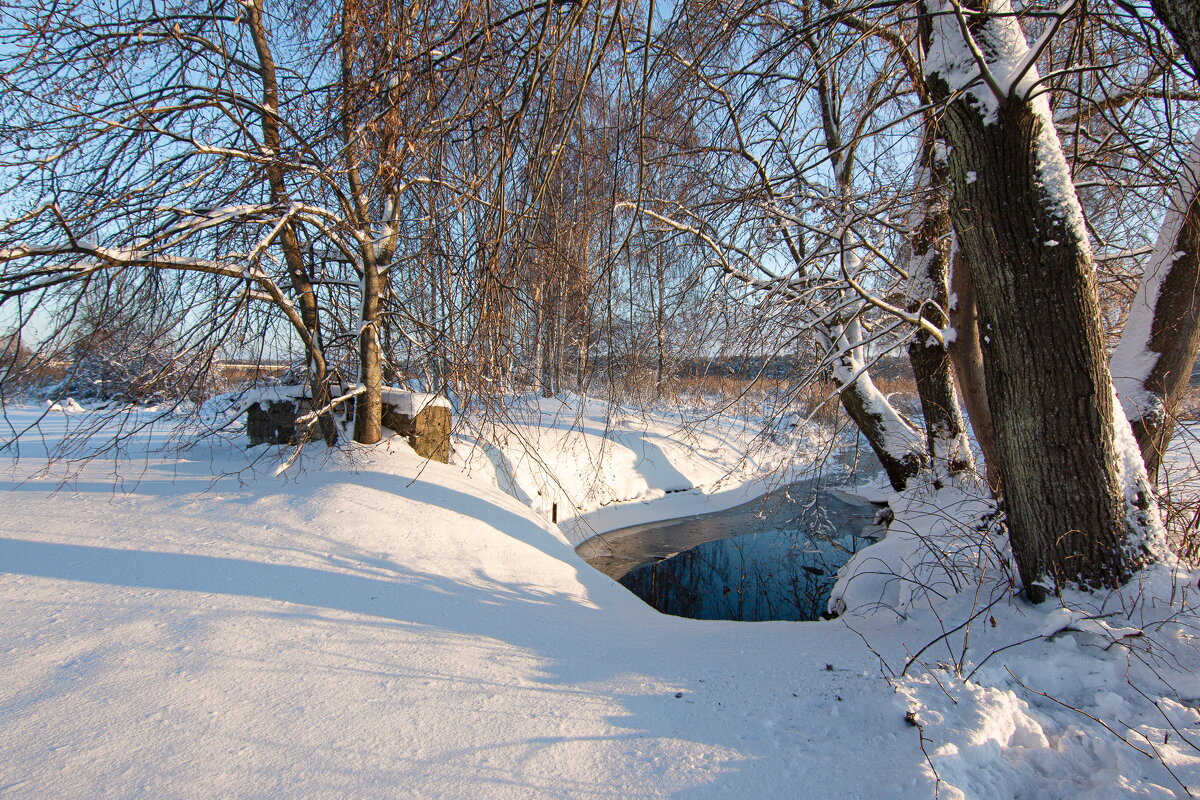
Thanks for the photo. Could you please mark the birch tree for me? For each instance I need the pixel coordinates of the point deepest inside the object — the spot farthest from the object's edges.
(285, 152)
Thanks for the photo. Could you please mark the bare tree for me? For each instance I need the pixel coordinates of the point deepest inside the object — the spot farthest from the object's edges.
(298, 155)
(1029, 327)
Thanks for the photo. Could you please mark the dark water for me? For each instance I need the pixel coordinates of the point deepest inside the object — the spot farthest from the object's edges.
(772, 559)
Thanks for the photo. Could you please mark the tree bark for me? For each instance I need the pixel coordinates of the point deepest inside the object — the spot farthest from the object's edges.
(860, 399)
(967, 355)
(928, 297)
(1182, 18)
(1021, 229)
(368, 406)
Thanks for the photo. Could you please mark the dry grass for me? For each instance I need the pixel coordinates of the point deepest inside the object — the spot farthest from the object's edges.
(906, 387)
(234, 374)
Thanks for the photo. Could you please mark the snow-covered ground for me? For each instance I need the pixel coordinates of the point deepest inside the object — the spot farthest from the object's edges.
(369, 624)
(597, 468)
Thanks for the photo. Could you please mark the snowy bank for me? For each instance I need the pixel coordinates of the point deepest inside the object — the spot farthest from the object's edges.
(374, 625)
(596, 467)
(379, 626)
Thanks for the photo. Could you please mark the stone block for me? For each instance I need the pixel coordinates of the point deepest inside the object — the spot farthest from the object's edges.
(428, 432)
(275, 424)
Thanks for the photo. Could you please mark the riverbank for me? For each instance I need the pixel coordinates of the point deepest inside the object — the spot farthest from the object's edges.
(593, 467)
(373, 625)
(368, 624)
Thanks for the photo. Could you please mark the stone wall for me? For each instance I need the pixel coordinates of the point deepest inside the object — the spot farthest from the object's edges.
(428, 432)
(275, 424)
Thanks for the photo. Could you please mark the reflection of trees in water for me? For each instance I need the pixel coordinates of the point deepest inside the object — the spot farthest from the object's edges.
(785, 572)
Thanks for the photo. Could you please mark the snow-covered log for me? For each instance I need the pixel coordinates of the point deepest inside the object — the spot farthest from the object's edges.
(894, 440)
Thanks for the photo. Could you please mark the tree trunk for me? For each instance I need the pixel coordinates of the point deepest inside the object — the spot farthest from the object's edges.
(967, 354)
(894, 441)
(1021, 229)
(928, 296)
(1153, 362)
(289, 241)
(368, 406)
(1182, 17)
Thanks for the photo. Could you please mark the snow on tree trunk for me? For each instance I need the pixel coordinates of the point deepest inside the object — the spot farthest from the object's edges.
(1154, 359)
(894, 441)
(928, 296)
(1076, 495)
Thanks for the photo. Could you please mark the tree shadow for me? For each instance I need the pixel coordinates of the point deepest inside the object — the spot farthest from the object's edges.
(601, 634)
(652, 463)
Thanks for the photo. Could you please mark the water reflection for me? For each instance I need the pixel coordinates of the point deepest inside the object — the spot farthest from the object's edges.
(775, 560)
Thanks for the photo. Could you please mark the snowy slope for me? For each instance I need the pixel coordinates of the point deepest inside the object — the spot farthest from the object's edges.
(589, 460)
(372, 625)
(391, 628)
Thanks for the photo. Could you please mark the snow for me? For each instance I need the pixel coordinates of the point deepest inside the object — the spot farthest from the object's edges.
(1145, 524)
(372, 624)
(937, 546)
(1002, 734)
(602, 467)
(991, 62)
(378, 625)
(68, 406)
(1063, 700)
(402, 400)
(412, 403)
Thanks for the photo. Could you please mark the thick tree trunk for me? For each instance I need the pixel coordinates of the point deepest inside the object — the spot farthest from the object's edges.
(1153, 361)
(1182, 17)
(1070, 490)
